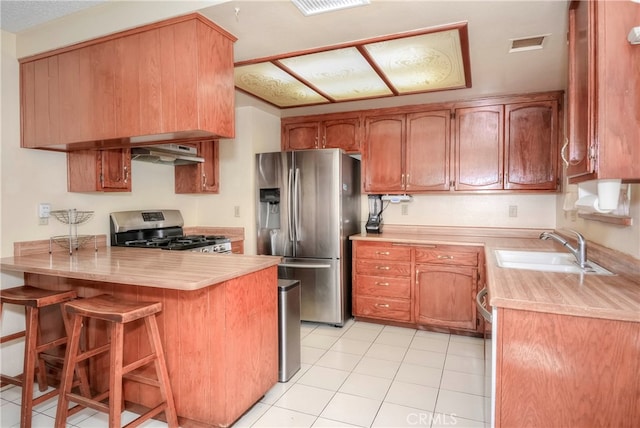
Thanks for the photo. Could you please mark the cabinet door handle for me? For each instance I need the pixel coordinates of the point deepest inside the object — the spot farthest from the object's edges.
(204, 180)
(316, 143)
(383, 267)
(324, 141)
(402, 180)
(126, 174)
(383, 253)
(445, 257)
(562, 155)
(382, 284)
(382, 305)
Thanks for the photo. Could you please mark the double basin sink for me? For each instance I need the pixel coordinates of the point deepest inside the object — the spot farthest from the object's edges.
(546, 262)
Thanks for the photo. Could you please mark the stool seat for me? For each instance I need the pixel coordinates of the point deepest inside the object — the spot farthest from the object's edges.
(106, 307)
(33, 299)
(117, 313)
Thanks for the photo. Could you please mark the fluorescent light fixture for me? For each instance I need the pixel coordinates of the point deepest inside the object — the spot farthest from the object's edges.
(431, 59)
(314, 7)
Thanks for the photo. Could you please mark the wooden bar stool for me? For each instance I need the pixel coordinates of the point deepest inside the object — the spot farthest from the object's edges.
(33, 299)
(117, 313)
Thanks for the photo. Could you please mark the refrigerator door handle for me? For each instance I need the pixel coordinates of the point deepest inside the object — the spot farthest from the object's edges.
(305, 265)
(290, 203)
(296, 203)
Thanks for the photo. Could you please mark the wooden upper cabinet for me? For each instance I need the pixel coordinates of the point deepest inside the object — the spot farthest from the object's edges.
(479, 148)
(531, 148)
(202, 177)
(383, 154)
(427, 151)
(603, 92)
(300, 136)
(99, 170)
(173, 77)
(407, 153)
(322, 132)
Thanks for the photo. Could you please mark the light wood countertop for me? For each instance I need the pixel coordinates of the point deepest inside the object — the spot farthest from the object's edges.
(609, 297)
(178, 270)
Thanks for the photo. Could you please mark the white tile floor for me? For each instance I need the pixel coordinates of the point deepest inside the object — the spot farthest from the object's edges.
(361, 375)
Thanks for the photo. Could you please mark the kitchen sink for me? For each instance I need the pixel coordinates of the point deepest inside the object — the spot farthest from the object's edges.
(546, 262)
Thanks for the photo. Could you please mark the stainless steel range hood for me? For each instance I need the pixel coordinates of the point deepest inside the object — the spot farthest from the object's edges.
(166, 154)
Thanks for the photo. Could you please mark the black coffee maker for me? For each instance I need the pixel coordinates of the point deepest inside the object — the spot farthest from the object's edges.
(374, 222)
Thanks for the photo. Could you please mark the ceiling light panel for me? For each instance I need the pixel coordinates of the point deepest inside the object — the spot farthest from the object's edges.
(275, 86)
(343, 74)
(313, 7)
(421, 63)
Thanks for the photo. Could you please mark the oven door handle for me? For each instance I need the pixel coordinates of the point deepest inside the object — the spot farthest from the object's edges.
(480, 297)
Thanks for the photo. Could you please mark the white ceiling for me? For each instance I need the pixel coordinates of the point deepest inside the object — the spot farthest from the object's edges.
(274, 27)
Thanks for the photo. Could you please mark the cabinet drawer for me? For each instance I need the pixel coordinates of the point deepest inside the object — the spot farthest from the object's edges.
(383, 286)
(445, 257)
(383, 268)
(382, 252)
(375, 307)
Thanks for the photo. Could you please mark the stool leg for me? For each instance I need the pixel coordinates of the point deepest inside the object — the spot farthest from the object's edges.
(66, 382)
(30, 344)
(115, 374)
(161, 371)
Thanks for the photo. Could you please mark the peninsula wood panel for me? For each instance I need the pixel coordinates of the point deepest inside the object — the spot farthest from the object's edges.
(566, 371)
(214, 378)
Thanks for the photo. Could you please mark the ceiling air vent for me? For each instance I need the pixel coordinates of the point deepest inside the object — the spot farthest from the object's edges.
(313, 7)
(527, 43)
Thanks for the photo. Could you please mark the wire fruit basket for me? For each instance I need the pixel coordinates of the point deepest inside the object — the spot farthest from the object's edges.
(72, 241)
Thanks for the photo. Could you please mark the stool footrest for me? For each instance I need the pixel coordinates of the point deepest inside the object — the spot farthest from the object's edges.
(146, 416)
(141, 379)
(139, 363)
(12, 380)
(51, 345)
(13, 336)
(93, 352)
(92, 403)
(45, 397)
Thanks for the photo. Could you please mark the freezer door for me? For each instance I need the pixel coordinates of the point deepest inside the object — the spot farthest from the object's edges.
(316, 203)
(273, 215)
(321, 291)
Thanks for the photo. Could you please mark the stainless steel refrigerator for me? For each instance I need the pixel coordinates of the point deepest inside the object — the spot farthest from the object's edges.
(308, 203)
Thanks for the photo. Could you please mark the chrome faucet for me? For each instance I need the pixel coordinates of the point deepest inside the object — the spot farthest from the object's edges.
(579, 253)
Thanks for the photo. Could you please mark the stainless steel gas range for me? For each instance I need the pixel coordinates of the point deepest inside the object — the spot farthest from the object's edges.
(161, 229)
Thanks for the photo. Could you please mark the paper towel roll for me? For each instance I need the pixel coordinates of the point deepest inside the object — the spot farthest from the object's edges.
(589, 204)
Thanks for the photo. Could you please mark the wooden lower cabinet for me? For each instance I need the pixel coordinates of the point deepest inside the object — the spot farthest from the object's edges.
(445, 296)
(382, 282)
(565, 371)
(428, 286)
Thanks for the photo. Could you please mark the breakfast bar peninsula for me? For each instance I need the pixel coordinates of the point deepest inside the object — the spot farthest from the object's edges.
(218, 322)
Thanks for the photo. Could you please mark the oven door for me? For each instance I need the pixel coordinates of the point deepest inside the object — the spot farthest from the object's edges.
(489, 363)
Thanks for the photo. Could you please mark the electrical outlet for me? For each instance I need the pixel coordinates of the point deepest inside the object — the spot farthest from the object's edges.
(44, 210)
(404, 209)
(236, 211)
(513, 211)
